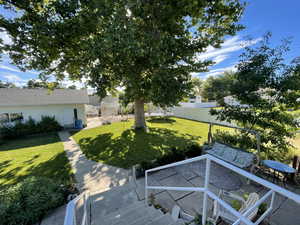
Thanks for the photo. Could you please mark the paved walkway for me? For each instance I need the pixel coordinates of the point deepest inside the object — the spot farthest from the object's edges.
(90, 175)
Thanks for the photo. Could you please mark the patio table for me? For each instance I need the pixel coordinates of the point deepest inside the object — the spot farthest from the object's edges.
(279, 167)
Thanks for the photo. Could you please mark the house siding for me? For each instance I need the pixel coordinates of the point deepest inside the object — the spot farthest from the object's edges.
(63, 113)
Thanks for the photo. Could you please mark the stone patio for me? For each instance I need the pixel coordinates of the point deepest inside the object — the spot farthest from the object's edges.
(286, 211)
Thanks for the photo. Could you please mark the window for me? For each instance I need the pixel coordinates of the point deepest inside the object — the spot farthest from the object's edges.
(4, 118)
(16, 117)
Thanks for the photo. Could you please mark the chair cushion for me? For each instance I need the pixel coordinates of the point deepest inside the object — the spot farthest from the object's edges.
(243, 159)
(229, 154)
(217, 149)
(234, 156)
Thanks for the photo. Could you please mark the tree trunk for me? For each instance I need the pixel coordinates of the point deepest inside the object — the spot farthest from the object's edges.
(139, 114)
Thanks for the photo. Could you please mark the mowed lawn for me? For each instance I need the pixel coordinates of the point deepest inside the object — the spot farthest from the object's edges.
(34, 156)
(296, 143)
(118, 145)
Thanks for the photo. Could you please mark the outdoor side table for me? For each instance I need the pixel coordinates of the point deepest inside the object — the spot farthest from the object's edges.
(279, 167)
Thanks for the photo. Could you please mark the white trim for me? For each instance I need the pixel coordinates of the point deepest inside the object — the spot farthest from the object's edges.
(241, 217)
(70, 217)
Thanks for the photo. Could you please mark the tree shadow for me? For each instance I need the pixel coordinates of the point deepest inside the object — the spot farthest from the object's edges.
(133, 147)
(56, 168)
(27, 142)
(158, 119)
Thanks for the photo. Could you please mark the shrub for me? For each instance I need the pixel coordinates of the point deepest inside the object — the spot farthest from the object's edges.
(27, 202)
(173, 155)
(48, 124)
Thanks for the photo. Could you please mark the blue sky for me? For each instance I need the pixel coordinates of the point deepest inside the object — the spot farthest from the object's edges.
(282, 18)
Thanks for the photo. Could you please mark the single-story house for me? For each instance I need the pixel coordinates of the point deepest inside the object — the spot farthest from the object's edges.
(66, 105)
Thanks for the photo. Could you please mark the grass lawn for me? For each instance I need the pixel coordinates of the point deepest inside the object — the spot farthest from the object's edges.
(118, 145)
(296, 143)
(34, 156)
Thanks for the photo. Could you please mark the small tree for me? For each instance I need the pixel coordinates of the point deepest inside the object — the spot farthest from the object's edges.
(269, 87)
(148, 47)
(35, 84)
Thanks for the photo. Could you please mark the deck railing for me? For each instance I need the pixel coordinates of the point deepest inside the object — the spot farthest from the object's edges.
(70, 217)
(241, 217)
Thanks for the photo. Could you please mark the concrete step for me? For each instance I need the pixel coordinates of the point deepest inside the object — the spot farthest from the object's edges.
(130, 213)
(164, 220)
(134, 214)
(135, 217)
(132, 207)
(105, 203)
(153, 214)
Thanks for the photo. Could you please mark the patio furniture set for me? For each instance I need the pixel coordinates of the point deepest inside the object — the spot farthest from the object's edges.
(246, 160)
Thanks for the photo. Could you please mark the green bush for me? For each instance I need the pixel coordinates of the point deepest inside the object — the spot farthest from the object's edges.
(27, 202)
(173, 155)
(47, 124)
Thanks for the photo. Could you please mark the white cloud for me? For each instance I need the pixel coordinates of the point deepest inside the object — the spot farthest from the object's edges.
(219, 71)
(5, 37)
(9, 68)
(220, 58)
(12, 77)
(230, 45)
(18, 81)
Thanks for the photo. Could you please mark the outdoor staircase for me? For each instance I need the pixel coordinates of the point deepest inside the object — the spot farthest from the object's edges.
(120, 206)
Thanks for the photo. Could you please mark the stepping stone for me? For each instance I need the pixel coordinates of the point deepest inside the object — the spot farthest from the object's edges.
(176, 181)
(199, 182)
(140, 189)
(288, 214)
(162, 174)
(165, 200)
(185, 171)
(192, 204)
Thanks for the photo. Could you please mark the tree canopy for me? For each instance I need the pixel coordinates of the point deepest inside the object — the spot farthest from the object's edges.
(7, 84)
(148, 47)
(36, 84)
(267, 86)
(216, 88)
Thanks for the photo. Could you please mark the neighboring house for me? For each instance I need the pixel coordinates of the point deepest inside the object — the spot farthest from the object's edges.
(93, 107)
(66, 105)
(109, 106)
(94, 100)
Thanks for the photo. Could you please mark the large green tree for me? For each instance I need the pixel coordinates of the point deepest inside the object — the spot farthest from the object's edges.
(267, 86)
(216, 88)
(148, 47)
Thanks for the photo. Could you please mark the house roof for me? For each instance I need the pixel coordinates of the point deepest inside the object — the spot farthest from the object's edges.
(32, 97)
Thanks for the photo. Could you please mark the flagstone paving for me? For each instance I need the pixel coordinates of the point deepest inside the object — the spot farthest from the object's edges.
(286, 212)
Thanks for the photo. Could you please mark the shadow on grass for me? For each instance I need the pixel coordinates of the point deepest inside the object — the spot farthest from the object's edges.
(56, 168)
(161, 120)
(133, 147)
(30, 141)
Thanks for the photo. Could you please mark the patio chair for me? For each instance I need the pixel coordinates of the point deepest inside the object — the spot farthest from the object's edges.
(221, 212)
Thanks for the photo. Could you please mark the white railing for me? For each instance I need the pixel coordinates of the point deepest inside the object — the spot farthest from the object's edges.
(242, 217)
(70, 217)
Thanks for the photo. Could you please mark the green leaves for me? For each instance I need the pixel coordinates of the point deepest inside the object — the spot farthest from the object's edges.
(268, 86)
(148, 47)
